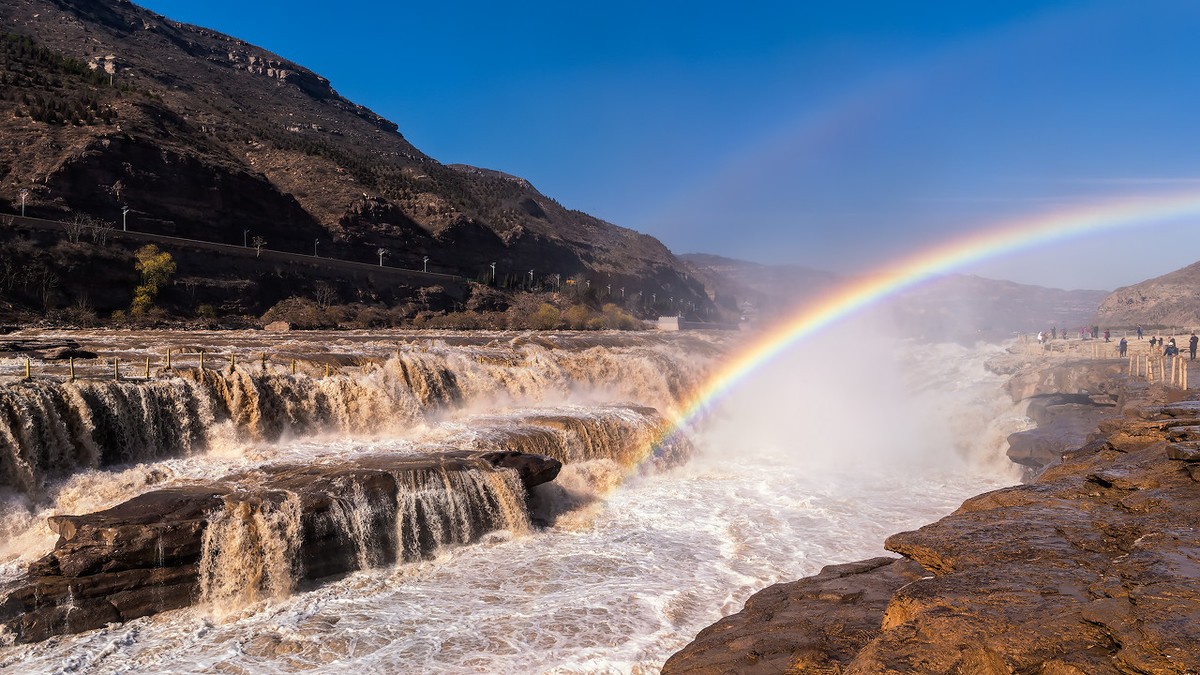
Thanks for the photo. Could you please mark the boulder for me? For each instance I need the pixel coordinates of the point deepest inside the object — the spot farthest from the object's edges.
(817, 623)
(152, 553)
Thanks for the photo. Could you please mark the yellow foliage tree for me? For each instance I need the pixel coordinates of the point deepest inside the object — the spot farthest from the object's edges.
(156, 268)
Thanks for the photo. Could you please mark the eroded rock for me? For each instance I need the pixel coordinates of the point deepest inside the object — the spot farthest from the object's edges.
(160, 550)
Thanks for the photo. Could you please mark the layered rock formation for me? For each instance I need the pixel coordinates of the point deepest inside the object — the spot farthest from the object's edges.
(1169, 300)
(1092, 568)
(257, 535)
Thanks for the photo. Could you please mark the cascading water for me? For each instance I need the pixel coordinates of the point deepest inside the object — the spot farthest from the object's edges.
(779, 484)
(249, 552)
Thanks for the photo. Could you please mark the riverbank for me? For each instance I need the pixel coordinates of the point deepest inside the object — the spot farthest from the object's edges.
(1090, 568)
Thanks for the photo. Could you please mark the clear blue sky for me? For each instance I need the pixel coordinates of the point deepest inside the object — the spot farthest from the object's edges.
(834, 135)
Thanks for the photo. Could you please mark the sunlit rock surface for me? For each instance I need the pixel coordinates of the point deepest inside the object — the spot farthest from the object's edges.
(1092, 568)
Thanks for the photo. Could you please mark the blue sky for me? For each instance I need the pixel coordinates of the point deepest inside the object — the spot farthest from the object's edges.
(835, 135)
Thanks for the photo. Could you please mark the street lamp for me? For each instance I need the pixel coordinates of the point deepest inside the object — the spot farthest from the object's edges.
(124, 212)
(315, 242)
(622, 292)
(493, 273)
(531, 277)
(381, 253)
(245, 240)
(24, 193)
(426, 261)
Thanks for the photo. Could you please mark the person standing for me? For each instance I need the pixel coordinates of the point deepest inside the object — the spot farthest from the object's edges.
(1122, 346)
(1139, 331)
(1106, 335)
(1192, 341)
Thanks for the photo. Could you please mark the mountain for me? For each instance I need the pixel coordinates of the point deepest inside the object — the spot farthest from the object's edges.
(1170, 300)
(967, 307)
(754, 289)
(104, 105)
(953, 307)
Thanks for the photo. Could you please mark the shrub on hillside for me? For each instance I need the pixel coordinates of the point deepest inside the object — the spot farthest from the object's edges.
(546, 317)
(576, 317)
(303, 313)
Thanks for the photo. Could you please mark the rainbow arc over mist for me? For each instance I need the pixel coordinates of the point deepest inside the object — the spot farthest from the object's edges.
(987, 244)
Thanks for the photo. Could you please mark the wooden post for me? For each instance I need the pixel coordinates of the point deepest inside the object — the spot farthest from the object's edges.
(147, 367)
(293, 366)
(27, 368)
(202, 360)
(72, 365)
(263, 356)
(232, 363)
(116, 369)
(326, 370)
(168, 359)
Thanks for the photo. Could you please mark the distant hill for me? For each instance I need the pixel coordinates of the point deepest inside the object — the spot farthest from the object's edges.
(968, 307)
(755, 289)
(1170, 300)
(954, 307)
(104, 105)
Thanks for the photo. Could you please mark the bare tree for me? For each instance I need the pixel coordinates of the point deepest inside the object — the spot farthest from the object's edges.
(77, 224)
(190, 284)
(102, 230)
(258, 243)
(325, 294)
(46, 281)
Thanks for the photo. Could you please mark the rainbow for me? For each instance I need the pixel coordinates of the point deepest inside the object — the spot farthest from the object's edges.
(991, 243)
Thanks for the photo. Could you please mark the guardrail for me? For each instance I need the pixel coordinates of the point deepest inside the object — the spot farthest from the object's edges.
(251, 251)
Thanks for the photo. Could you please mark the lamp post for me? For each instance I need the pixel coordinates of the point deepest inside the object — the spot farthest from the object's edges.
(24, 194)
(124, 212)
(530, 277)
(622, 292)
(425, 260)
(315, 242)
(245, 238)
(493, 273)
(381, 253)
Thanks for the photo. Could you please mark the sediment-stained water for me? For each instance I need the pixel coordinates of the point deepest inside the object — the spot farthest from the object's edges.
(814, 461)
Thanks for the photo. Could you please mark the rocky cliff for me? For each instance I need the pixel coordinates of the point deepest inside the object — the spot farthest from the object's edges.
(1089, 569)
(106, 105)
(1170, 300)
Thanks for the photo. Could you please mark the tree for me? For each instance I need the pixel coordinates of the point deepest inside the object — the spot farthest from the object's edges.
(156, 267)
(77, 224)
(102, 230)
(258, 243)
(325, 294)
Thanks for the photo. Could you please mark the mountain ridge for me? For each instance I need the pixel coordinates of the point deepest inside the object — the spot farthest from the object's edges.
(209, 137)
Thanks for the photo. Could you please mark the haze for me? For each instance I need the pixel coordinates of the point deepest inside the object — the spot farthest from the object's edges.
(834, 135)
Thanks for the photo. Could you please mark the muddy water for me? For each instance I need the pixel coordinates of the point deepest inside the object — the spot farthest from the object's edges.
(787, 476)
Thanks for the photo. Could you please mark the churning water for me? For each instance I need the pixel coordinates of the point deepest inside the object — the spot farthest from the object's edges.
(813, 462)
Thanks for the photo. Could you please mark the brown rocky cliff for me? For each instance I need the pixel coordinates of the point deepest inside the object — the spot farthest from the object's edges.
(205, 136)
(1090, 569)
(1170, 300)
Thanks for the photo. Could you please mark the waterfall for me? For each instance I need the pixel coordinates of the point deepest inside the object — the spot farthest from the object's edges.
(249, 552)
(50, 429)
